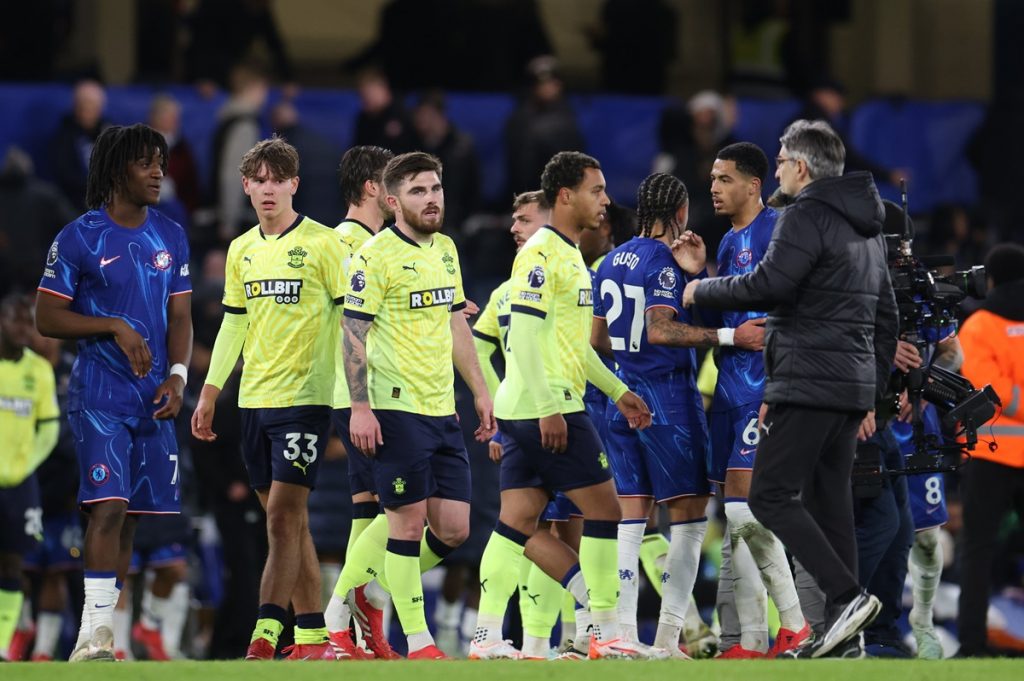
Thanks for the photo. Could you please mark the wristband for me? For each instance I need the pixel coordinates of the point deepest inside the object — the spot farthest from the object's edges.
(179, 369)
(726, 336)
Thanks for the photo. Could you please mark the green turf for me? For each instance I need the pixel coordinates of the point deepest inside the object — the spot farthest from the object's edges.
(710, 670)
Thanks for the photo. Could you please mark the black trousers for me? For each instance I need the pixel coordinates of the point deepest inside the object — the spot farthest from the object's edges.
(989, 491)
(801, 491)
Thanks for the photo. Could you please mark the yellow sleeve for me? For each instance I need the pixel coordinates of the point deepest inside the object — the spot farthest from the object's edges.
(529, 291)
(234, 291)
(333, 275)
(368, 283)
(486, 327)
(459, 301)
(602, 377)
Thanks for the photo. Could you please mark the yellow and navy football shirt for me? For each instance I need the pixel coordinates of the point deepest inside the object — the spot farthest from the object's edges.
(353, 234)
(288, 287)
(27, 398)
(550, 280)
(492, 324)
(409, 292)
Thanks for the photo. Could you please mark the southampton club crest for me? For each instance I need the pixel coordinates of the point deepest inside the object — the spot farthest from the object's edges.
(449, 263)
(295, 257)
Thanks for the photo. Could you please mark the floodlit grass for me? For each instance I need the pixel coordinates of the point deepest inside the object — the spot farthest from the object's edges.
(462, 670)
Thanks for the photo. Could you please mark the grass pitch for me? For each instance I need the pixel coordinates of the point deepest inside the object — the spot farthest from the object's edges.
(464, 670)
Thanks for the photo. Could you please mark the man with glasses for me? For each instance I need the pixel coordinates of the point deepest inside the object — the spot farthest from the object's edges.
(829, 346)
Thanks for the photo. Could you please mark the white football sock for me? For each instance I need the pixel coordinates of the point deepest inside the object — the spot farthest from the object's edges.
(770, 557)
(925, 571)
(681, 565)
(631, 535)
(47, 633)
(750, 597)
(337, 615)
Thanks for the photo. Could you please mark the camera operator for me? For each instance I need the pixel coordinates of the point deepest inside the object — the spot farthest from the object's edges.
(993, 480)
(829, 347)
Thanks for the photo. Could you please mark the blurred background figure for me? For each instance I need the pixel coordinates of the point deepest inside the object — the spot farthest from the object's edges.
(73, 142)
(382, 121)
(317, 195)
(34, 211)
(461, 167)
(543, 124)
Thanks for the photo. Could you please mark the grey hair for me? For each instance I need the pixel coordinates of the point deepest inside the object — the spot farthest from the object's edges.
(816, 144)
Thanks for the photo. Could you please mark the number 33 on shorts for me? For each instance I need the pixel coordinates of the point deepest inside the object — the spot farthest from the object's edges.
(300, 446)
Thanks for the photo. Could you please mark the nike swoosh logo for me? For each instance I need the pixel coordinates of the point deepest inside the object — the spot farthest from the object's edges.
(106, 261)
(102, 606)
(744, 452)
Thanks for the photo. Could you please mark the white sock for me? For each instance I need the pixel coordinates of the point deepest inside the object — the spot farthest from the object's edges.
(101, 596)
(175, 617)
(468, 628)
(584, 622)
(448, 615)
(750, 597)
(606, 625)
(25, 616)
(488, 628)
(122, 627)
(375, 593)
(535, 646)
(420, 640)
(336, 614)
(681, 566)
(329, 573)
(631, 535)
(692, 621)
(47, 633)
(770, 557)
(925, 571)
(578, 588)
(154, 609)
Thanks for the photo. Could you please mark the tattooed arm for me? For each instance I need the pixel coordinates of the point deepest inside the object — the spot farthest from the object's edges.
(663, 329)
(364, 429)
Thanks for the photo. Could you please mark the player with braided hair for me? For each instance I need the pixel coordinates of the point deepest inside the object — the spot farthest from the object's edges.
(640, 321)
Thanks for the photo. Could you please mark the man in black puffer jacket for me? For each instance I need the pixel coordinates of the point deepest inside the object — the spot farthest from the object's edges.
(829, 348)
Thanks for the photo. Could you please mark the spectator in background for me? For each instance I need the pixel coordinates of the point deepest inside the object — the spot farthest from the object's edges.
(690, 138)
(992, 481)
(955, 232)
(223, 34)
(382, 120)
(542, 125)
(34, 211)
(318, 190)
(238, 130)
(826, 101)
(182, 179)
(636, 40)
(72, 145)
(458, 158)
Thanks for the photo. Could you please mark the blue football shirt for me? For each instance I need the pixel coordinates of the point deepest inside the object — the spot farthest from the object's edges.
(635, 277)
(107, 270)
(741, 372)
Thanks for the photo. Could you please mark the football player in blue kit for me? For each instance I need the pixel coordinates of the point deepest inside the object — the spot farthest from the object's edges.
(640, 321)
(737, 177)
(117, 279)
(926, 493)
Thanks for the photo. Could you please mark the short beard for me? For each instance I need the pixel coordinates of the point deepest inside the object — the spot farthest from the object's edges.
(419, 226)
